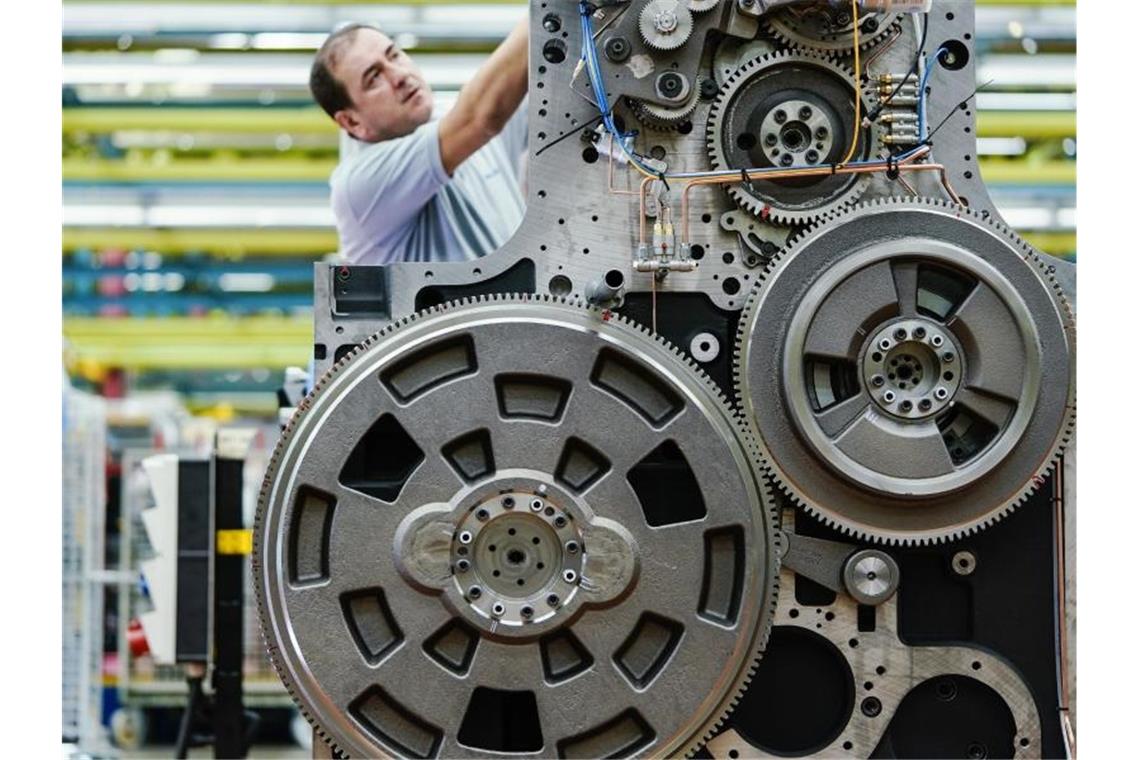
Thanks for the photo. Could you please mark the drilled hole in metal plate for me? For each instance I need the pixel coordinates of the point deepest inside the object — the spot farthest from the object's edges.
(382, 461)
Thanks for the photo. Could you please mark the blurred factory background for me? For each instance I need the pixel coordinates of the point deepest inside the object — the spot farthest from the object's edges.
(195, 194)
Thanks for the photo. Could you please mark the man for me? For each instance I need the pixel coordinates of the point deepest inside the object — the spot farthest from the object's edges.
(414, 188)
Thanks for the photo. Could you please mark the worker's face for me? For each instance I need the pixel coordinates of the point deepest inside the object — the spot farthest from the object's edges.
(390, 97)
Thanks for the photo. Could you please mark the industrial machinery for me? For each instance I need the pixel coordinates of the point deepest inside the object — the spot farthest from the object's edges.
(748, 443)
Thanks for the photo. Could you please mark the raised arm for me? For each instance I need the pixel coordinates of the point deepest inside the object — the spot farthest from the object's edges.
(487, 102)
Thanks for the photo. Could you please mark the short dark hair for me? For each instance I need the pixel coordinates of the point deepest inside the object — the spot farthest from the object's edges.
(329, 92)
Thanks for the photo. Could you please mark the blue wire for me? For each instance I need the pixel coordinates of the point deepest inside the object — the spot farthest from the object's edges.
(922, 92)
(589, 55)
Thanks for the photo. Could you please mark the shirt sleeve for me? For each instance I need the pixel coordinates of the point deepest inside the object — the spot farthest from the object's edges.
(514, 135)
(389, 182)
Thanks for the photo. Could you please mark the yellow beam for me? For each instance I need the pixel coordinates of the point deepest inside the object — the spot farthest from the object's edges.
(1028, 124)
(1014, 172)
(234, 243)
(240, 120)
(315, 170)
(1055, 243)
(168, 343)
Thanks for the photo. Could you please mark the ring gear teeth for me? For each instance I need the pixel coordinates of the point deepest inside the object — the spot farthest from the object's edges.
(768, 205)
(1051, 428)
(665, 117)
(656, 11)
(700, 6)
(755, 610)
(804, 29)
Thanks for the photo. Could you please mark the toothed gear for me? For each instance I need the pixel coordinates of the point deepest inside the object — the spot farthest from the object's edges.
(733, 52)
(358, 562)
(829, 29)
(700, 6)
(665, 117)
(755, 122)
(941, 307)
(665, 24)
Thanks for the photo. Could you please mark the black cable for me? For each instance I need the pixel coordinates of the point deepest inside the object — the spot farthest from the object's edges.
(957, 107)
(182, 746)
(871, 117)
(573, 131)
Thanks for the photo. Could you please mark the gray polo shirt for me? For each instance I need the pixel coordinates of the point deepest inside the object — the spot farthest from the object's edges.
(393, 201)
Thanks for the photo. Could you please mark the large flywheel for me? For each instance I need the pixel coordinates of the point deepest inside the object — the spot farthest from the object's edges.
(514, 525)
(909, 366)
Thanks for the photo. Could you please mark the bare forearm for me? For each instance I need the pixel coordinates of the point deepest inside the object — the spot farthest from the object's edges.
(488, 101)
(501, 83)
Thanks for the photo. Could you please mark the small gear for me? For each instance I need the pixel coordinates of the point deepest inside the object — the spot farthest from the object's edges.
(827, 28)
(790, 109)
(662, 117)
(665, 24)
(910, 369)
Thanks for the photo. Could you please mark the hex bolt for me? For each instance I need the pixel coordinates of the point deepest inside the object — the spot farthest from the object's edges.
(465, 537)
(569, 576)
(936, 340)
(508, 502)
(877, 381)
(941, 393)
(906, 405)
(770, 139)
(463, 565)
(924, 405)
(889, 397)
(536, 505)
(497, 609)
(805, 113)
(482, 515)
(821, 133)
(781, 116)
(572, 547)
(812, 157)
(900, 334)
(526, 612)
(920, 332)
(553, 600)
(786, 159)
(474, 592)
(560, 521)
(871, 707)
(948, 356)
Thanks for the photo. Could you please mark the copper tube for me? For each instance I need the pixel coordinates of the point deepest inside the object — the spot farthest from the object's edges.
(907, 165)
(610, 180)
(883, 48)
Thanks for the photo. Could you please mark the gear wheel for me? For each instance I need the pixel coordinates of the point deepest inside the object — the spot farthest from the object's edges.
(665, 24)
(664, 117)
(789, 110)
(909, 366)
(827, 28)
(488, 530)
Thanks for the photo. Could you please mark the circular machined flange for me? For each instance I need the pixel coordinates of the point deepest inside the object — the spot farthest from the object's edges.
(883, 283)
(789, 110)
(514, 526)
(871, 576)
(828, 27)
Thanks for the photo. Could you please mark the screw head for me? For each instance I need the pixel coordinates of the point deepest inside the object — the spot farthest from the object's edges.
(889, 397)
(878, 381)
(936, 340)
(560, 521)
(906, 405)
(924, 405)
(553, 600)
(569, 576)
(811, 156)
(781, 116)
(805, 113)
(770, 139)
(900, 334)
(941, 393)
(474, 592)
(821, 133)
(786, 159)
(920, 332)
(572, 547)
(948, 356)
(508, 502)
(463, 565)
(871, 707)
(482, 515)
(526, 612)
